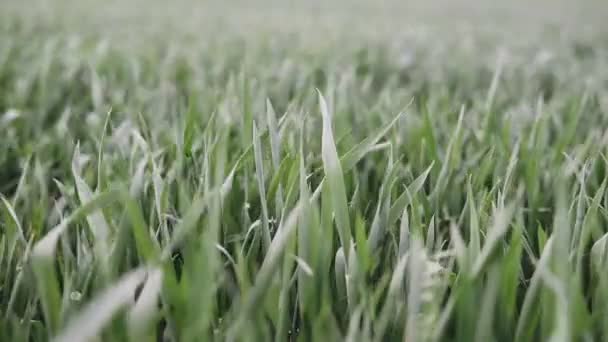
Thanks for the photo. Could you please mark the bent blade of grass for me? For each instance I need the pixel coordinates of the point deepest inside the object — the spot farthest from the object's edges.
(562, 330)
(303, 266)
(142, 314)
(406, 197)
(12, 225)
(355, 154)
(43, 258)
(89, 322)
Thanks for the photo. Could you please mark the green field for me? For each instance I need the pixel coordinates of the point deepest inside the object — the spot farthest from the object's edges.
(304, 171)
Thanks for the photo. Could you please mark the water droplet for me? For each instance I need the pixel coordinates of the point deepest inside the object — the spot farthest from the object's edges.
(75, 296)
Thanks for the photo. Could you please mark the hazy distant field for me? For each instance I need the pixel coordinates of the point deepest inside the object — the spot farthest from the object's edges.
(303, 170)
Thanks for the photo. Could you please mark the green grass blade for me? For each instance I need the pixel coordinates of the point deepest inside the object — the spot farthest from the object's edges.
(335, 180)
(97, 313)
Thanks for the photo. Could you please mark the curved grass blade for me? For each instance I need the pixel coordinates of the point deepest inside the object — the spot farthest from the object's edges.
(89, 322)
(43, 258)
(146, 308)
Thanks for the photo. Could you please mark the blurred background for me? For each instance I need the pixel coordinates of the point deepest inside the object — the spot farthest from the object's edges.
(376, 18)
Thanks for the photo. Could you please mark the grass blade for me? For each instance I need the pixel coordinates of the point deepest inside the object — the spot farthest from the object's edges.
(335, 180)
(97, 313)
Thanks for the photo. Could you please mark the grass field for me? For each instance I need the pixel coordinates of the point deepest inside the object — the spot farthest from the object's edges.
(361, 171)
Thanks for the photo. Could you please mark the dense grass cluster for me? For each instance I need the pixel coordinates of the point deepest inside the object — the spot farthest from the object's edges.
(421, 188)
